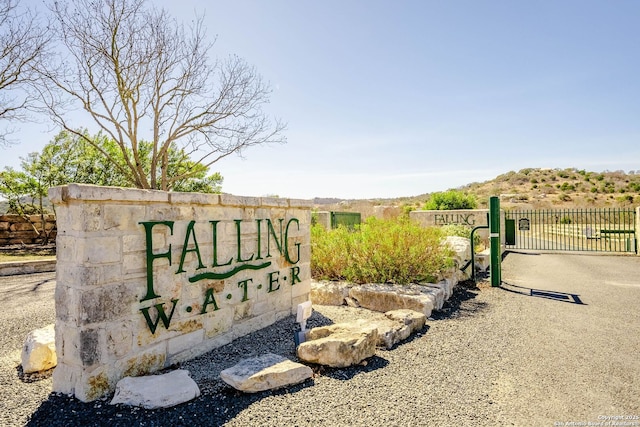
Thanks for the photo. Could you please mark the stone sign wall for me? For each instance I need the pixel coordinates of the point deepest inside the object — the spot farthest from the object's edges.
(146, 279)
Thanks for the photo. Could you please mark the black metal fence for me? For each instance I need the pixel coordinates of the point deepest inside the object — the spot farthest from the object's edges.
(597, 230)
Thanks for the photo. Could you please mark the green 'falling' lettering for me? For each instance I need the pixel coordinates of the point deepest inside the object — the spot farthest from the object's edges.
(148, 229)
(195, 249)
(272, 232)
(239, 241)
(214, 230)
(286, 240)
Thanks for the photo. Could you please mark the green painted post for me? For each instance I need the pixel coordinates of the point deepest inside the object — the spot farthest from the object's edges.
(494, 234)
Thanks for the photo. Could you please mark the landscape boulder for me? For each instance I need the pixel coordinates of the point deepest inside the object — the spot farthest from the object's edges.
(339, 345)
(414, 320)
(266, 372)
(461, 247)
(397, 326)
(156, 391)
(483, 260)
(384, 297)
(39, 350)
(329, 293)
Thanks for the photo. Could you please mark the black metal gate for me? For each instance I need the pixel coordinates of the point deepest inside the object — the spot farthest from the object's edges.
(593, 230)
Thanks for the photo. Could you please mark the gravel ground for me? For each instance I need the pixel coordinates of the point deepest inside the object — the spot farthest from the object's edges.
(492, 357)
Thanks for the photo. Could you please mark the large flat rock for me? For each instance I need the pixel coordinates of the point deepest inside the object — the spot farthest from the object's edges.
(339, 345)
(329, 293)
(383, 297)
(156, 391)
(266, 372)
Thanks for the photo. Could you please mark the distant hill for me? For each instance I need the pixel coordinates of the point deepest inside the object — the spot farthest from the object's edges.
(531, 188)
(560, 188)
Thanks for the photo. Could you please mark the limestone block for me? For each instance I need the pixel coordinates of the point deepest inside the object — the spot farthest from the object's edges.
(390, 332)
(438, 293)
(122, 217)
(231, 200)
(39, 350)
(483, 260)
(301, 203)
(96, 193)
(461, 246)
(184, 342)
(414, 320)
(329, 293)
(301, 288)
(383, 297)
(194, 198)
(274, 202)
(266, 372)
(444, 285)
(339, 345)
(156, 391)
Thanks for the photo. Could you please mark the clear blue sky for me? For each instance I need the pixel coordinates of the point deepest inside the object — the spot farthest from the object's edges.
(399, 98)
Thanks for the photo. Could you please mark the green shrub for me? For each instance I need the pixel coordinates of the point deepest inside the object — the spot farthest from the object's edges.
(379, 251)
(450, 200)
(566, 220)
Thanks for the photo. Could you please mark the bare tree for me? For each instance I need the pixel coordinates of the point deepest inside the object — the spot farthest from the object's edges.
(140, 75)
(23, 45)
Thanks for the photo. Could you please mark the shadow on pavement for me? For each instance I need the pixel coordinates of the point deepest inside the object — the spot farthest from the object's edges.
(552, 295)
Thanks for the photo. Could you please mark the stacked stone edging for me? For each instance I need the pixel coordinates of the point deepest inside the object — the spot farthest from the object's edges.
(21, 230)
(423, 298)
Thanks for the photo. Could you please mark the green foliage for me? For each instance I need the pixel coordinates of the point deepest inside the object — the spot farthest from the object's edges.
(406, 210)
(23, 192)
(379, 251)
(626, 199)
(634, 186)
(69, 158)
(450, 200)
(567, 187)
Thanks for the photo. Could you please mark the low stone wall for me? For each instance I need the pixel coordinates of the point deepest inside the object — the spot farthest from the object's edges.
(146, 279)
(17, 230)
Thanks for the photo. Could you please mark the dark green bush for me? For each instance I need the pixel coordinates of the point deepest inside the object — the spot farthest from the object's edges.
(450, 200)
(379, 251)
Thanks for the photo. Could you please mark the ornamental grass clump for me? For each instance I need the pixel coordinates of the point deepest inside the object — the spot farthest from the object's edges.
(395, 251)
